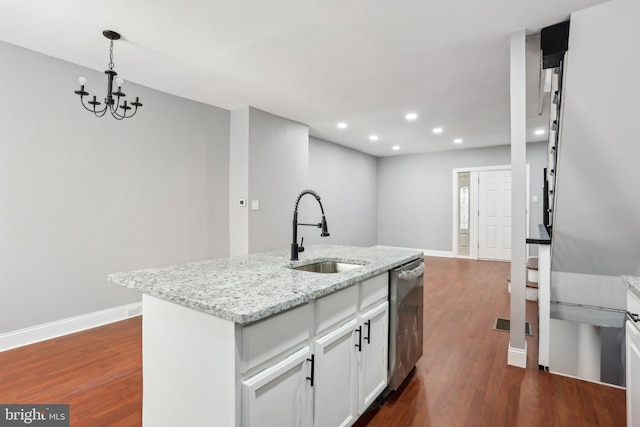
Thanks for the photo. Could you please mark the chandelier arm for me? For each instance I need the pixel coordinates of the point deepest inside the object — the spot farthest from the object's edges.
(116, 115)
(91, 110)
(134, 112)
(85, 107)
(101, 112)
(116, 105)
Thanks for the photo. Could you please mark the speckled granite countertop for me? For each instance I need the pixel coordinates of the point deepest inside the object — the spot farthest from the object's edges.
(249, 288)
(633, 283)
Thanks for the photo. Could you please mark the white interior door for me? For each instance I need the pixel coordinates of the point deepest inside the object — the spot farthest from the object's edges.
(494, 215)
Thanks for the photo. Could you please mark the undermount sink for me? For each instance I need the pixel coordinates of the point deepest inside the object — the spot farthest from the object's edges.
(327, 267)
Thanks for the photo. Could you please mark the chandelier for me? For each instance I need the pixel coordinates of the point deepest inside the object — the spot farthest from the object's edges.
(112, 101)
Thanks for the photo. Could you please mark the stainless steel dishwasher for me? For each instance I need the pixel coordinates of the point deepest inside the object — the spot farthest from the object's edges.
(406, 290)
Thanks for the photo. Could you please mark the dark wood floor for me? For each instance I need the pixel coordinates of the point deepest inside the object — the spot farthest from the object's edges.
(461, 380)
(97, 372)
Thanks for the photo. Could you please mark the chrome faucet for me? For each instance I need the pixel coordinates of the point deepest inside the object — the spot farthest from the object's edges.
(295, 249)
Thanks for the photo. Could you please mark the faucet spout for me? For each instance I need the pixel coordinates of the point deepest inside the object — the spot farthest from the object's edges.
(295, 249)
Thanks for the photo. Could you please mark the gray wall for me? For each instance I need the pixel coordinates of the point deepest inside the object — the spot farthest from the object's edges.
(278, 172)
(238, 182)
(346, 180)
(82, 196)
(414, 193)
(597, 219)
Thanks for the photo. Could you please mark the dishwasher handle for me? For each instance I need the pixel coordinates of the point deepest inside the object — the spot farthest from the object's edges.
(411, 274)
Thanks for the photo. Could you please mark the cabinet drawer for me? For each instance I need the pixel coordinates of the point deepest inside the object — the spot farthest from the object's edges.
(336, 307)
(275, 335)
(374, 290)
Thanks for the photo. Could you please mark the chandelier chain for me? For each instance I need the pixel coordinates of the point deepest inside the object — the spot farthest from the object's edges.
(111, 56)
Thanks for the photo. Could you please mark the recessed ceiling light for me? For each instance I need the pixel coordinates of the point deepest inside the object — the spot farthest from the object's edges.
(437, 130)
(396, 147)
(373, 137)
(539, 131)
(411, 116)
(458, 140)
(342, 125)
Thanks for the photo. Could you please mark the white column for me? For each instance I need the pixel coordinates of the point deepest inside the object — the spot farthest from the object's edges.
(239, 182)
(517, 354)
(544, 303)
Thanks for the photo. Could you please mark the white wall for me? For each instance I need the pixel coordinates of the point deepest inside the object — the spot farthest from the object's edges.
(278, 172)
(415, 200)
(346, 180)
(597, 218)
(82, 196)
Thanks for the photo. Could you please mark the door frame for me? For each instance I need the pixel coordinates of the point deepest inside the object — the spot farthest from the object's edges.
(474, 175)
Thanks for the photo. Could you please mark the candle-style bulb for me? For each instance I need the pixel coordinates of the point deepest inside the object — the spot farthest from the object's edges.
(82, 81)
(119, 81)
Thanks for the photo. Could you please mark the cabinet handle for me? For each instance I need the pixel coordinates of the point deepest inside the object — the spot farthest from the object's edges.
(313, 365)
(359, 331)
(633, 316)
(368, 337)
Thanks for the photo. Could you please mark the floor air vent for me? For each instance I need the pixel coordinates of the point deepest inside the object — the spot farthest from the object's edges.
(504, 325)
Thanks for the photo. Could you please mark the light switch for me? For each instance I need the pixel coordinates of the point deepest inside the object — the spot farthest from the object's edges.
(255, 205)
(535, 199)
(242, 203)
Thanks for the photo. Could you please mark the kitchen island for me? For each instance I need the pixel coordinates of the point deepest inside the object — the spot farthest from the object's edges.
(250, 341)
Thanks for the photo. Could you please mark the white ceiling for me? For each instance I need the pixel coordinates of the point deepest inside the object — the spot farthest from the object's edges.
(365, 62)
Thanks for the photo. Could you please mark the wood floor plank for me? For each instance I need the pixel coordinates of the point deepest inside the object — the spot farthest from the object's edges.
(462, 378)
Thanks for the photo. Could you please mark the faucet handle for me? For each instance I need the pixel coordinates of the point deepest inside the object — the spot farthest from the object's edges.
(301, 248)
(323, 225)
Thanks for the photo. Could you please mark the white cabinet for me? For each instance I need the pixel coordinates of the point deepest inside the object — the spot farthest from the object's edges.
(321, 364)
(633, 375)
(279, 395)
(373, 355)
(633, 360)
(351, 359)
(335, 386)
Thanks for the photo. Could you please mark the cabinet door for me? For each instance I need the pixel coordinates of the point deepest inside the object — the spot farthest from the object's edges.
(335, 377)
(373, 357)
(279, 396)
(633, 375)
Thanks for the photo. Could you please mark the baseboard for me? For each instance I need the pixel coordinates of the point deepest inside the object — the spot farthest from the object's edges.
(517, 356)
(441, 254)
(67, 326)
(425, 252)
(589, 381)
